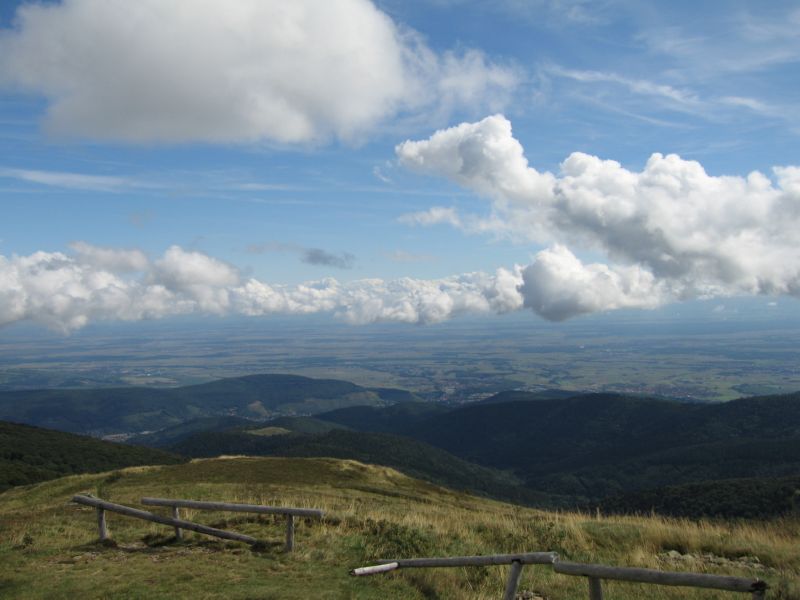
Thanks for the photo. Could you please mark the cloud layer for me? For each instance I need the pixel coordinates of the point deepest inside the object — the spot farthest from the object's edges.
(234, 70)
(670, 231)
(67, 291)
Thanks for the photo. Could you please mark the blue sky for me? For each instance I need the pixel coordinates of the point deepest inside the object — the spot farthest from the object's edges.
(271, 153)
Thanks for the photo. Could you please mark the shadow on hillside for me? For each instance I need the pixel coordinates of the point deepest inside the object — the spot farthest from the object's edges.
(158, 544)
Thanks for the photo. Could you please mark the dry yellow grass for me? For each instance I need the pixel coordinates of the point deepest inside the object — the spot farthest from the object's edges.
(48, 549)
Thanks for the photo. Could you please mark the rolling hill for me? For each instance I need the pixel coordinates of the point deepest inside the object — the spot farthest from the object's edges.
(398, 419)
(133, 410)
(600, 445)
(412, 457)
(576, 450)
(49, 549)
(171, 436)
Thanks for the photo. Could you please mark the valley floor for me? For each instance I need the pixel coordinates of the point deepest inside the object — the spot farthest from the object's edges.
(48, 545)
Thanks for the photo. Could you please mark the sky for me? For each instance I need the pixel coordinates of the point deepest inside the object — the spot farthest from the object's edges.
(395, 161)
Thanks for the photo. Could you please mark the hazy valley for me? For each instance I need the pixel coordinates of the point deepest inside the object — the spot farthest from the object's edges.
(549, 449)
(476, 461)
(706, 356)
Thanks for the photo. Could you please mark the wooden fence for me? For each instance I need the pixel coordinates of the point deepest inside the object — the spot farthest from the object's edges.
(594, 573)
(515, 560)
(179, 524)
(290, 513)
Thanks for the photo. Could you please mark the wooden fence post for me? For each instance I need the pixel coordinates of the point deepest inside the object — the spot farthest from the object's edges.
(513, 581)
(289, 533)
(101, 524)
(176, 514)
(595, 588)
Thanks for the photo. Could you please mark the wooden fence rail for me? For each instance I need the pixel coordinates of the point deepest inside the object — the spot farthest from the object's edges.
(290, 513)
(530, 558)
(102, 506)
(179, 524)
(594, 573)
(515, 560)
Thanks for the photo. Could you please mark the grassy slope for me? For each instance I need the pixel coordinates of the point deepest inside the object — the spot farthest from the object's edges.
(410, 456)
(48, 549)
(30, 454)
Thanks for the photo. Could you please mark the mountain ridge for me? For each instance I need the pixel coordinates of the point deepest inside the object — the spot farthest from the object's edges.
(132, 409)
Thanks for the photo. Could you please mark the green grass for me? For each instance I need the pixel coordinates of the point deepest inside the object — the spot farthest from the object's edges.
(269, 431)
(48, 546)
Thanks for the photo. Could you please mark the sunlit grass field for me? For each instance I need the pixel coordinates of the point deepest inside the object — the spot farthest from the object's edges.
(49, 548)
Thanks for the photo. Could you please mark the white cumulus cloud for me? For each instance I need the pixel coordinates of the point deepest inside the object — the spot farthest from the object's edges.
(65, 292)
(557, 285)
(234, 70)
(111, 259)
(670, 231)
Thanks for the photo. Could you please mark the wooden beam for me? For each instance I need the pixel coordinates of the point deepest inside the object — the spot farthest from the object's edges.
(512, 583)
(594, 573)
(147, 516)
(289, 533)
(102, 525)
(531, 558)
(176, 514)
(700, 580)
(595, 589)
(374, 570)
(231, 507)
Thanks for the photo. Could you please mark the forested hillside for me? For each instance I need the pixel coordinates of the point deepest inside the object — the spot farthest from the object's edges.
(133, 410)
(599, 445)
(30, 454)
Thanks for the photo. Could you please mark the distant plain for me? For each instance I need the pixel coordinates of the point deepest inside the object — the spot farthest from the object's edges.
(707, 355)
